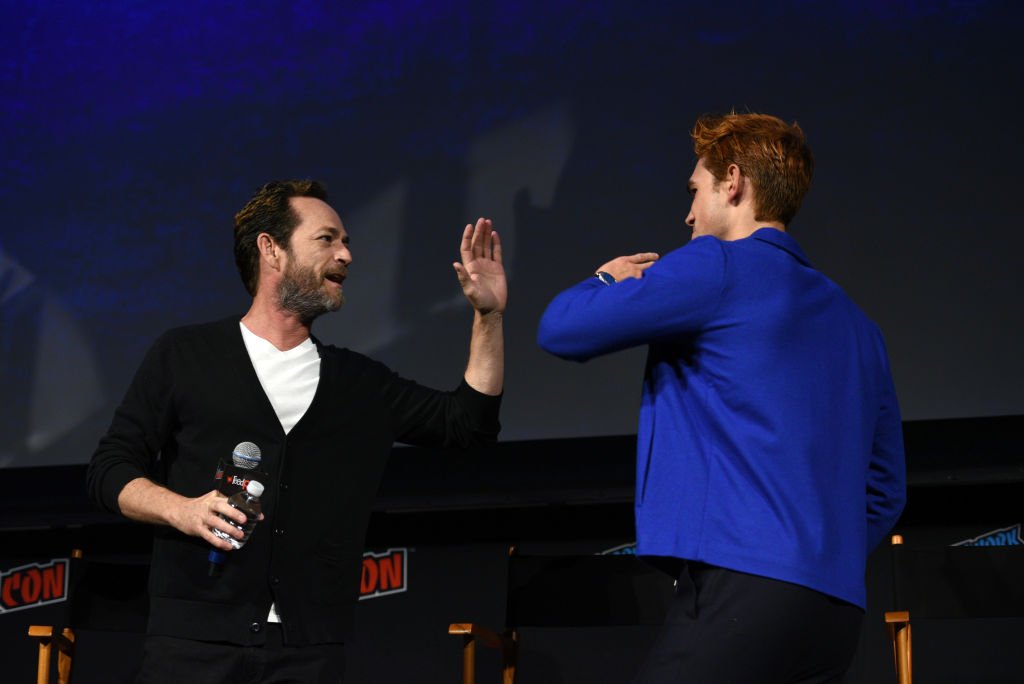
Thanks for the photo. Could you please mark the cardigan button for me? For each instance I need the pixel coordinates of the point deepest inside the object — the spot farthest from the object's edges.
(278, 531)
(275, 580)
(284, 486)
(255, 627)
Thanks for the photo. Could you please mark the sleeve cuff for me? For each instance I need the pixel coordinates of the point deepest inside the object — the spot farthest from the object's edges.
(483, 408)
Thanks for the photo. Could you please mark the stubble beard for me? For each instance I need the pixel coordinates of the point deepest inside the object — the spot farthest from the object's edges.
(301, 292)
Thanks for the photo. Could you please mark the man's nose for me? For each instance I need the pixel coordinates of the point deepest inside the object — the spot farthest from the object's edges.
(344, 255)
(690, 219)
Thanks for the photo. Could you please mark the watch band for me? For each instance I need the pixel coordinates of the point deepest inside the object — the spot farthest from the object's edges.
(605, 277)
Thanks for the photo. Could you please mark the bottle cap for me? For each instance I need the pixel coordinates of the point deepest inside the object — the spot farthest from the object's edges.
(254, 488)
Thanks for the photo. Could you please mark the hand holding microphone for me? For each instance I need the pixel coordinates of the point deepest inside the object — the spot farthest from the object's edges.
(245, 458)
(248, 502)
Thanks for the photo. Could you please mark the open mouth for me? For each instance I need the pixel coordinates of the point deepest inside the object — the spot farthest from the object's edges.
(337, 278)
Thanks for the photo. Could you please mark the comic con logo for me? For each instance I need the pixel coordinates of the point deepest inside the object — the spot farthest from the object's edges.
(384, 573)
(1004, 536)
(34, 585)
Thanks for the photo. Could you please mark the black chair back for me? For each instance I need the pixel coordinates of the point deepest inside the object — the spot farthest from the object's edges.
(959, 581)
(585, 591)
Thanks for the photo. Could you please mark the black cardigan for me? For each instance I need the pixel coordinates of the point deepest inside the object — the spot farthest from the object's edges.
(195, 396)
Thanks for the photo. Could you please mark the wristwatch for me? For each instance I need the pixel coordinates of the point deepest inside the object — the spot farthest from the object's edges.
(605, 277)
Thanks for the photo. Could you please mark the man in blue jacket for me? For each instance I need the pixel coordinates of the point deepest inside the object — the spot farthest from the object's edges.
(769, 452)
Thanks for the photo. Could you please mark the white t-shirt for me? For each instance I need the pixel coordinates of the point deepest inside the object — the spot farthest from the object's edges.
(289, 378)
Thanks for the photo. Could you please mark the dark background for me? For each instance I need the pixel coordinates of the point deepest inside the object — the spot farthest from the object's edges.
(133, 132)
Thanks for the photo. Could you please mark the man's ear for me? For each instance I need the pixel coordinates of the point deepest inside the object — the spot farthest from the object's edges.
(269, 250)
(736, 184)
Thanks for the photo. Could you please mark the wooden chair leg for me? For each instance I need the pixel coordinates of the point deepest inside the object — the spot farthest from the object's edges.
(509, 657)
(44, 633)
(65, 655)
(43, 668)
(65, 642)
(507, 644)
(898, 623)
(902, 654)
(469, 660)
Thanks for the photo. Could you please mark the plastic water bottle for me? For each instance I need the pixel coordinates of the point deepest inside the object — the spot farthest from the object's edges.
(247, 501)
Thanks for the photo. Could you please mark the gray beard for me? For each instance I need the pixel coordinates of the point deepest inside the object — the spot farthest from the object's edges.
(299, 292)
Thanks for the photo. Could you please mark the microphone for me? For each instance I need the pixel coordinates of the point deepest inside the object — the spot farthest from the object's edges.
(245, 457)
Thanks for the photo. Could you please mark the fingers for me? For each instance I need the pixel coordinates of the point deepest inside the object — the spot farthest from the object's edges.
(466, 247)
(461, 273)
(496, 244)
(222, 508)
(482, 238)
(479, 242)
(643, 257)
(207, 512)
(216, 522)
(216, 541)
(630, 266)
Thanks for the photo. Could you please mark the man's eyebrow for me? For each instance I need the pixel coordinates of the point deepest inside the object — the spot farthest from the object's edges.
(335, 232)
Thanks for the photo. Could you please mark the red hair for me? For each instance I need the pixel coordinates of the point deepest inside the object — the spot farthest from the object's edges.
(768, 151)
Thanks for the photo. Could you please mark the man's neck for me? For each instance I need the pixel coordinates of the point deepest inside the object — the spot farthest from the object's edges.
(748, 228)
(281, 328)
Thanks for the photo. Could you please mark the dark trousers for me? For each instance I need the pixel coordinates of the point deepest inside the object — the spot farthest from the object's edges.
(168, 660)
(727, 627)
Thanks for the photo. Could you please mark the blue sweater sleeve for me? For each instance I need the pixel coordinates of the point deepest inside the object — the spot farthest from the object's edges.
(676, 296)
(887, 472)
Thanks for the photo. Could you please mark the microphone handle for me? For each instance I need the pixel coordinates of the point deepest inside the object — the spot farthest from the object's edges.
(215, 563)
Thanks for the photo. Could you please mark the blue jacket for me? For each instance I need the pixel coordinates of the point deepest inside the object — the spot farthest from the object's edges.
(770, 439)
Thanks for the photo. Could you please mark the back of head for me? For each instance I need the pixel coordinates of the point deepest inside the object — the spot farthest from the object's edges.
(269, 211)
(767, 150)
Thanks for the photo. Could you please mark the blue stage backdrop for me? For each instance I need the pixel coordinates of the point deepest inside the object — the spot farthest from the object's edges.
(132, 132)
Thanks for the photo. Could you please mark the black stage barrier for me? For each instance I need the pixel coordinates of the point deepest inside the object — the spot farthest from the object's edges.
(437, 554)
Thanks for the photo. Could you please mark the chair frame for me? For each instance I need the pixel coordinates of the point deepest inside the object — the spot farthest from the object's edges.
(65, 652)
(949, 583)
(65, 641)
(626, 596)
(103, 595)
(897, 623)
(506, 642)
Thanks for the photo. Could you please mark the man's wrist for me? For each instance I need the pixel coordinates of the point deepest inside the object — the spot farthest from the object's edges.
(492, 317)
(605, 277)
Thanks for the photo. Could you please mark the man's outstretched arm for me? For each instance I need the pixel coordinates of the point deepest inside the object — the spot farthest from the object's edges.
(482, 277)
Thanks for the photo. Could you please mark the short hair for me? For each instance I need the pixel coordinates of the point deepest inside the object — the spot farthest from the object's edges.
(269, 211)
(771, 153)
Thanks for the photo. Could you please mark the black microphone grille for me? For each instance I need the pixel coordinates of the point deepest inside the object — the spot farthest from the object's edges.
(246, 455)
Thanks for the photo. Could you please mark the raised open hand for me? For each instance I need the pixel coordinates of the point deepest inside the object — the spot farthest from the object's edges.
(481, 272)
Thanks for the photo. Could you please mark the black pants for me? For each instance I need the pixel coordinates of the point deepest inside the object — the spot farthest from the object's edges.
(727, 627)
(167, 660)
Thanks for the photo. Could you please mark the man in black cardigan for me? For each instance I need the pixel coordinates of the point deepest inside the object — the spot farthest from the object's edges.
(324, 419)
